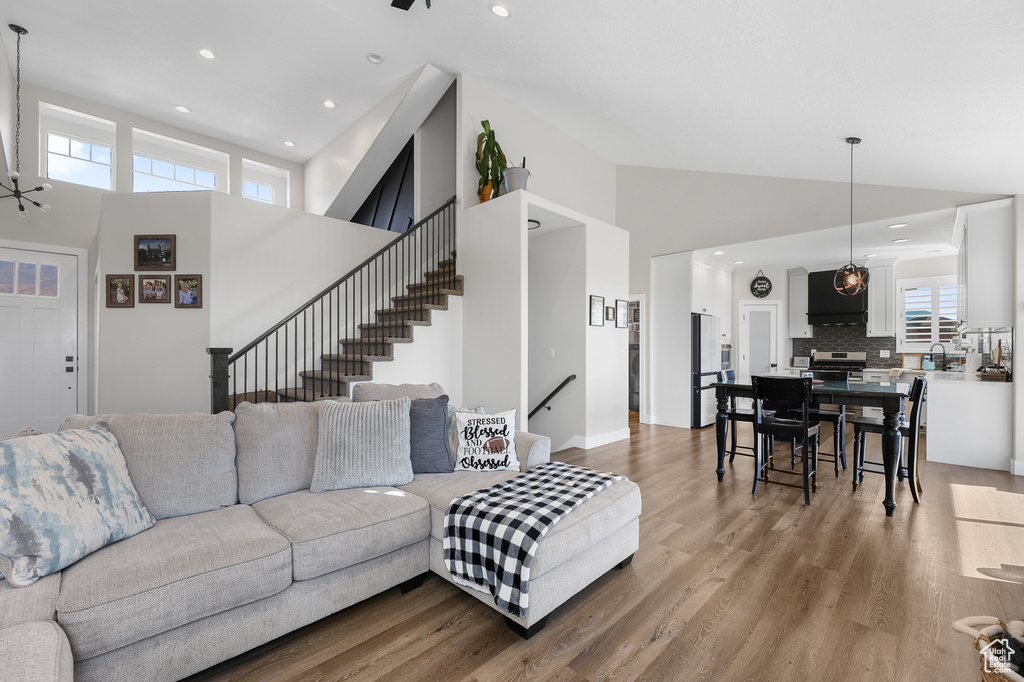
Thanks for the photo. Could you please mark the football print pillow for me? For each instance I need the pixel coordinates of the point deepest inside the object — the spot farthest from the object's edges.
(486, 442)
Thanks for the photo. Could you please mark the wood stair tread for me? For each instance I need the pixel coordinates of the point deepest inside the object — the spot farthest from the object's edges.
(394, 325)
(338, 377)
(427, 294)
(417, 308)
(382, 341)
(350, 357)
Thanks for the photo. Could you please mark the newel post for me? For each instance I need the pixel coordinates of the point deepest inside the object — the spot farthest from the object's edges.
(218, 379)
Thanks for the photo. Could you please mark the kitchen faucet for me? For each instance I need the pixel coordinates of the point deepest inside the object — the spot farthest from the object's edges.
(942, 367)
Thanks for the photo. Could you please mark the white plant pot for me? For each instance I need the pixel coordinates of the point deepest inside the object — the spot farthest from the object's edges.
(515, 178)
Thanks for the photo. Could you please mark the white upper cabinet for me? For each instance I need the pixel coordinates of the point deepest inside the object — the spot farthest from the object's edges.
(723, 307)
(798, 326)
(881, 300)
(986, 264)
(702, 288)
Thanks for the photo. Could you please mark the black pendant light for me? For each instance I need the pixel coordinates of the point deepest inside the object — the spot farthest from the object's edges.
(851, 279)
(14, 175)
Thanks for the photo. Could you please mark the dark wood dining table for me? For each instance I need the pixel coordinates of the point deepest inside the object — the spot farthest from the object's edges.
(891, 397)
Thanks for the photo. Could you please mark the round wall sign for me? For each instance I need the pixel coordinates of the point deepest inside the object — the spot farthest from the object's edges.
(760, 286)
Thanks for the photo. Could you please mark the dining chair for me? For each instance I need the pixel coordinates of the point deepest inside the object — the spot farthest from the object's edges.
(792, 394)
(735, 415)
(835, 415)
(910, 433)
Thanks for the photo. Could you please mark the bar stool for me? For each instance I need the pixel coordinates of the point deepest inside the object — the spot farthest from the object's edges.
(794, 393)
(835, 415)
(734, 415)
(909, 432)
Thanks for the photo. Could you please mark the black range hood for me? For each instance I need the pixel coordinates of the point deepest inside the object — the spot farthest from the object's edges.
(825, 305)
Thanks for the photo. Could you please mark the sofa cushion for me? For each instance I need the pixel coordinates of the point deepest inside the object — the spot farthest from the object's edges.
(38, 601)
(276, 448)
(370, 391)
(428, 436)
(180, 463)
(585, 526)
(36, 652)
(339, 528)
(180, 570)
(63, 495)
(362, 445)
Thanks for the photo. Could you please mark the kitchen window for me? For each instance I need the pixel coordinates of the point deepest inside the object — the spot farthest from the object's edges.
(927, 312)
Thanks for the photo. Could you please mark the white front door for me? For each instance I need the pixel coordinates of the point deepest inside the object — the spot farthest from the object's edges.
(758, 337)
(38, 339)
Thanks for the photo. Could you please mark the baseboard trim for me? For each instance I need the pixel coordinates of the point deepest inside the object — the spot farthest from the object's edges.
(1017, 467)
(588, 442)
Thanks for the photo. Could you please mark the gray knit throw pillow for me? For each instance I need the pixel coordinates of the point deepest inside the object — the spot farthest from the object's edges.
(362, 445)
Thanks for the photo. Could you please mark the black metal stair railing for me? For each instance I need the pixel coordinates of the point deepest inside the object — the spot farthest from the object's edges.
(544, 403)
(333, 338)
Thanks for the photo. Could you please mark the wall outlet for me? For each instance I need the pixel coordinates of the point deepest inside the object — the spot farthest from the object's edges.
(883, 354)
(551, 353)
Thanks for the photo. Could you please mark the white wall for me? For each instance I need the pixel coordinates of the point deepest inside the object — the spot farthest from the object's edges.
(270, 260)
(558, 321)
(152, 358)
(493, 260)
(434, 151)
(1017, 457)
(669, 327)
(607, 346)
(668, 211)
(7, 87)
(741, 278)
(434, 356)
(562, 170)
(925, 267)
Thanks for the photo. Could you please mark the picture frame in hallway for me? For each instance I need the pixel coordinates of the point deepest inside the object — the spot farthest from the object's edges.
(121, 291)
(154, 288)
(188, 291)
(155, 252)
(621, 313)
(597, 311)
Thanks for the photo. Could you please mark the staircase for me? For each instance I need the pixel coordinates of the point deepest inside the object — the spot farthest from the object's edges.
(334, 339)
(376, 341)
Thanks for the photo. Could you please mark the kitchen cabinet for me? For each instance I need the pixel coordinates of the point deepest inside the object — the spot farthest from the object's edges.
(985, 265)
(723, 307)
(881, 301)
(703, 298)
(798, 325)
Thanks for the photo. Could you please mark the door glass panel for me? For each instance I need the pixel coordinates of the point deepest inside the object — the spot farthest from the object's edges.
(48, 277)
(27, 279)
(6, 277)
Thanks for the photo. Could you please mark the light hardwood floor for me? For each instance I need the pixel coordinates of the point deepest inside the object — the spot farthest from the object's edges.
(725, 586)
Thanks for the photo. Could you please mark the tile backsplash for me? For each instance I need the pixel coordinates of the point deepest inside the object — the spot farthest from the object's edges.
(850, 337)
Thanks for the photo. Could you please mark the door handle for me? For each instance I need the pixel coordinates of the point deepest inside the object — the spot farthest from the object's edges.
(774, 364)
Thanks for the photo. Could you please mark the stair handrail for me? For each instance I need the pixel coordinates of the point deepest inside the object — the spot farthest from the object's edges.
(544, 403)
(351, 273)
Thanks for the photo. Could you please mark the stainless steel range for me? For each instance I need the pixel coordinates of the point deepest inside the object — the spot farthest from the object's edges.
(852, 362)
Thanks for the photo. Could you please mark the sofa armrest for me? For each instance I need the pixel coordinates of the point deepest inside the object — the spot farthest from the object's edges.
(532, 450)
(36, 651)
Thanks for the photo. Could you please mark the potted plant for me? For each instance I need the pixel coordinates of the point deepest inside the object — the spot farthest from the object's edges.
(515, 177)
(490, 162)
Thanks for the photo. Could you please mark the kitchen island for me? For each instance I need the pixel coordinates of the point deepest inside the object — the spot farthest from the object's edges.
(970, 421)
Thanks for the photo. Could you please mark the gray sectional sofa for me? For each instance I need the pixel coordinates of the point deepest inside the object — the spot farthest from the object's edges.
(242, 551)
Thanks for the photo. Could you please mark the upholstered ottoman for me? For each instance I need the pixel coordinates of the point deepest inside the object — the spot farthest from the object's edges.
(601, 534)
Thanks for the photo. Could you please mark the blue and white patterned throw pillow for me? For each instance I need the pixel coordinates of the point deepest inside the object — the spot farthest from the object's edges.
(62, 496)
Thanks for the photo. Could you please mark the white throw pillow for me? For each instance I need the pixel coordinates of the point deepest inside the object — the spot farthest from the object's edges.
(486, 442)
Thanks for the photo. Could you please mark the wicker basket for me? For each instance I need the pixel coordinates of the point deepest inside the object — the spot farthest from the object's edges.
(990, 630)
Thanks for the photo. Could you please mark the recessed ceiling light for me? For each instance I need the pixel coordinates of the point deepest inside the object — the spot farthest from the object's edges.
(737, 262)
(719, 253)
(374, 57)
(289, 143)
(896, 226)
(500, 10)
(182, 108)
(329, 103)
(206, 52)
(871, 255)
(900, 240)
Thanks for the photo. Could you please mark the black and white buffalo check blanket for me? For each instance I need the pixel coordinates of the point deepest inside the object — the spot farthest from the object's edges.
(491, 535)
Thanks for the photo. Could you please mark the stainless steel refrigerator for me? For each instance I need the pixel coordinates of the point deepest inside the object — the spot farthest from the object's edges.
(705, 362)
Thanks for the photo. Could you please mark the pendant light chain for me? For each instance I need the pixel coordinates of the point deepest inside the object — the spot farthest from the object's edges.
(851, 204)
(17, 125)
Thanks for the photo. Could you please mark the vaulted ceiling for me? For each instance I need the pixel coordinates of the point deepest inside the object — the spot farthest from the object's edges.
(935, 87)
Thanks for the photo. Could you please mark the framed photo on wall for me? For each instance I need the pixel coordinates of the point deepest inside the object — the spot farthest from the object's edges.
(188, 291)
(120, 291)
(597, 311)
(154, 288)
(155, 252)
(621, 313)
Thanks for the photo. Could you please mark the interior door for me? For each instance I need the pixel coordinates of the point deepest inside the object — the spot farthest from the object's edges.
(38, 339)
(758, 340)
